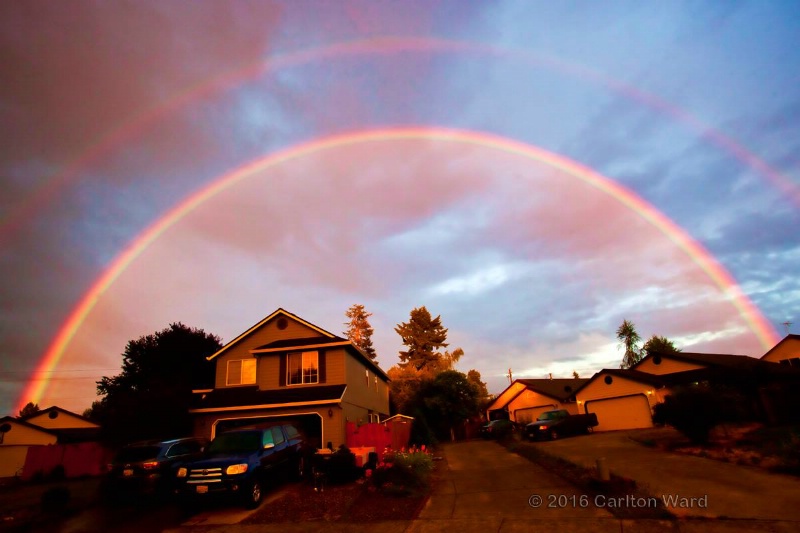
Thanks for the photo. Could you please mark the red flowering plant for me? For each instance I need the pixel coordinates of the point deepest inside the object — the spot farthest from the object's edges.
(401, 471)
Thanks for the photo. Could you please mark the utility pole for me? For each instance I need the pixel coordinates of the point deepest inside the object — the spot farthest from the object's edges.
(510, 377)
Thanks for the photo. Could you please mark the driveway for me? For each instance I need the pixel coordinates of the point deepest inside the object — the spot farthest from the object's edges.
(720, 489)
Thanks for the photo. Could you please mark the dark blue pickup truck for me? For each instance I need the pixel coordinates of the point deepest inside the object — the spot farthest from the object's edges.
(559, 423)
(242, 461)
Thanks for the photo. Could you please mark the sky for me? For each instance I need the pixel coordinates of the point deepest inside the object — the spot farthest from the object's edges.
(533, 172)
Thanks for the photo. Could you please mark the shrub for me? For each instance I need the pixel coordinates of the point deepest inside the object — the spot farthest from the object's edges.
(403, 470)
(55, 499)
(341, 466)
(693, 411)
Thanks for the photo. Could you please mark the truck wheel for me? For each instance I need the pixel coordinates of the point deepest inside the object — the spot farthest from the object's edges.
(553, 434)
(254, 495)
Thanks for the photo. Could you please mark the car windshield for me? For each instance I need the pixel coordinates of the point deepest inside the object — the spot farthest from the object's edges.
(240, 441)
(137, 453)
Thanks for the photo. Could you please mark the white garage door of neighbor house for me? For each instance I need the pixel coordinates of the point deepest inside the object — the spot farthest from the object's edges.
(627, 412)
(529, 414)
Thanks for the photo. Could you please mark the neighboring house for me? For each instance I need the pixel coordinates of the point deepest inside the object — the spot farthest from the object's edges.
(786, 352)
(525, 399)
(621, 399)
(285, 368)
(68, 426)
(16, 437)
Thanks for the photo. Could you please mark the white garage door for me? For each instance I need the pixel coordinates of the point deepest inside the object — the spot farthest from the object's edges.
(627, 412)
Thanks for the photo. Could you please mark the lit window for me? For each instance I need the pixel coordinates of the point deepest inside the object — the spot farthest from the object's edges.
(302, 367)
(241, 372)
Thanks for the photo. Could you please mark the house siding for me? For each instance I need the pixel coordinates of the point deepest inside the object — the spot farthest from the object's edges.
(598, 389)
(21, 434)
(785, 350)
(667, 366)
(529, 404)
(505, 397)
(62, 421)
(362, 394)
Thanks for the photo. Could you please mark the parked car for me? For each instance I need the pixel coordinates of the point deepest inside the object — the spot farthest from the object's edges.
(147, 467)
(242, 462)
(497, 428)
(559, 423)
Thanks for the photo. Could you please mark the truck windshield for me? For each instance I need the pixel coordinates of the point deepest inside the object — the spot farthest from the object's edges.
(249, 441)
(549, 415)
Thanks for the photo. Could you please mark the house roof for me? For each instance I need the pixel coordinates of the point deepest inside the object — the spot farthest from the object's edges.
(250, 397)
(560, 389)
(299, 343)
(790, 336)
(742, 363)
(279, 311)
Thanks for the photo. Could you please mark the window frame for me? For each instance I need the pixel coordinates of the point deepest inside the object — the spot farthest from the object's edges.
(242, 362)
(305, 372)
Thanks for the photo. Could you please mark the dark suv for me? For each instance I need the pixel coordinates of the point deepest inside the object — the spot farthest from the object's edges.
(242, 461)
(146, 467)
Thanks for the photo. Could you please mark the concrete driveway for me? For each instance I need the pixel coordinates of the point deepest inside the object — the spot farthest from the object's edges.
(720, 489)
(484, 487)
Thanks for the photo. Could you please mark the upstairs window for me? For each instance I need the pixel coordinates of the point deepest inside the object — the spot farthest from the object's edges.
(241, 372)
(302, 368)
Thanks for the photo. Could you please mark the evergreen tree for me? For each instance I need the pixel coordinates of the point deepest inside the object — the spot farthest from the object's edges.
(424, 336)
(359, 330)
(29, 409)
(658, 344)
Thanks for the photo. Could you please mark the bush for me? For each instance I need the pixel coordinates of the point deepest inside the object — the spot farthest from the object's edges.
(341, 466)
(403, 471)
(693, 411)
(55, 499)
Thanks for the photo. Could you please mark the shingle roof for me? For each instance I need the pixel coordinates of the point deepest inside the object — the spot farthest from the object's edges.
(291, 343)
(560, 389)
(251, 397)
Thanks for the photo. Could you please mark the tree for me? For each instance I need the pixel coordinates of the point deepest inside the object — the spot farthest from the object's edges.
(447, 401)
(30, 409)
(629, 338)
(151, 397)
(359, 330)
(657, 344)
(474, 377)
(575, 375)
(425, 336)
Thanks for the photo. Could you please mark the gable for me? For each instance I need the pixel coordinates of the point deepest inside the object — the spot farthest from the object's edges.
(506, 396)
(787, 349)
(58, 418)
(279, 326)
(20, 432)
(607, 384)
(529, 398)
(664, 364)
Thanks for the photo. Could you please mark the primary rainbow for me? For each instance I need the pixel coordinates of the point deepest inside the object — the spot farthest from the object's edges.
(766, 334)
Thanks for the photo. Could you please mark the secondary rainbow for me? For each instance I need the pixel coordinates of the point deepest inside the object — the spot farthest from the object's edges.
(764, 331)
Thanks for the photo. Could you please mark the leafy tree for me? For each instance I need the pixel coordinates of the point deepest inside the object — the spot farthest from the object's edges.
(474, 377)
(657, 344)
(446, 401)
(629, 338)
(359, 330)
(425, 337)
(150, 398)
(575, 374)
(404, 384)
(29, 409)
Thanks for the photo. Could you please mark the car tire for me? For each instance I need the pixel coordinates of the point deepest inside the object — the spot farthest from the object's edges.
(254, 495)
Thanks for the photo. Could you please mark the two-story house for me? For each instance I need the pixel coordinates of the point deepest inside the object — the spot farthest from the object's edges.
(285, 368)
